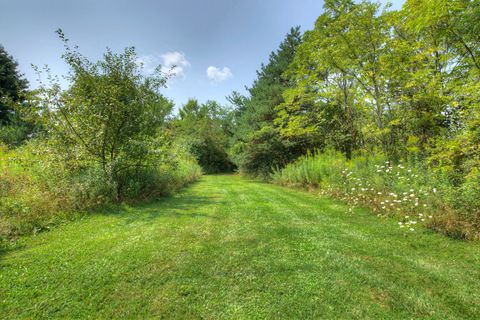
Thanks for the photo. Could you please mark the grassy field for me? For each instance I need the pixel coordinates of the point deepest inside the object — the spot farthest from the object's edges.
(231, 248)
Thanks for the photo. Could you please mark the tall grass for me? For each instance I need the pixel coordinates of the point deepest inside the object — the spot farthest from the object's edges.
(37, 192)
(411, 190)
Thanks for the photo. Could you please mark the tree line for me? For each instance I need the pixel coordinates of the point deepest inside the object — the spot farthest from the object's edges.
(403, 83)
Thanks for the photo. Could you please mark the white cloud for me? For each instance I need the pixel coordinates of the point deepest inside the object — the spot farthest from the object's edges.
(173, 63)
(218, 75)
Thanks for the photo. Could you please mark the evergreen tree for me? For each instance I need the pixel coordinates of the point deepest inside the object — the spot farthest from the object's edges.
(12, 85)
(255, 117)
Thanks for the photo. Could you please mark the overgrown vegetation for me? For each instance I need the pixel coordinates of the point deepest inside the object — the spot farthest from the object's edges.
(104, 139)
(373, 111)
(408, 190)
(38, 191)
(256, 144)
(205, 130)
(370, 83)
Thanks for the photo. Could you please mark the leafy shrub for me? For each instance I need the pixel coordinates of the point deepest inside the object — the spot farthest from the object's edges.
(264, 150)
(37, 191)
(103, 140)
(204, 130)
(13, 134)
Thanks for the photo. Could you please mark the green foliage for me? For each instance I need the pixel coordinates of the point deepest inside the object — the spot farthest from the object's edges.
(408, 190)
(111, 116)
(205, 130)
(255, 114)
(365, 78)
(400, 85)
(15, 127)
(12, 85)
(104, 139)
(16, 132)
(37, 191)
(34, 192)
(264, 151)
(340, 85)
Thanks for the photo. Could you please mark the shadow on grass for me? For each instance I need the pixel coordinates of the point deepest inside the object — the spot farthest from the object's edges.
(180, 206)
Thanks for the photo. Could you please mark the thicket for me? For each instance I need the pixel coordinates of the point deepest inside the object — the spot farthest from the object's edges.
(103, 140)
(372, 83)
(38, 191)
(255, 145)
(205, 130)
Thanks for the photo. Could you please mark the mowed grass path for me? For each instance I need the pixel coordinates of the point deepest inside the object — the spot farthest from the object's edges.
(226, 247)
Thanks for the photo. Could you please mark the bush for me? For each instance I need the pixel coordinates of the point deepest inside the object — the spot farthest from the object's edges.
(203, 129)
(37, 191)
(263, 151)
(409, 190)
(104, 140)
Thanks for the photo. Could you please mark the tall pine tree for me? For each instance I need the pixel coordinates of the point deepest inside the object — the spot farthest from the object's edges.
(12, 85)
(257, 146)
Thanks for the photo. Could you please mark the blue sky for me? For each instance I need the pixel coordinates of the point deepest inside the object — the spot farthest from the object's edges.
(216, 44)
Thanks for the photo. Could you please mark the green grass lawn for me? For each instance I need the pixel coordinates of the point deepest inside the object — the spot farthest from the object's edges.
(226, 247)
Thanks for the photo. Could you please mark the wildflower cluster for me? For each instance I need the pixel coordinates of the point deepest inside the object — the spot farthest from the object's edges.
(408, 191)
(389, 191)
